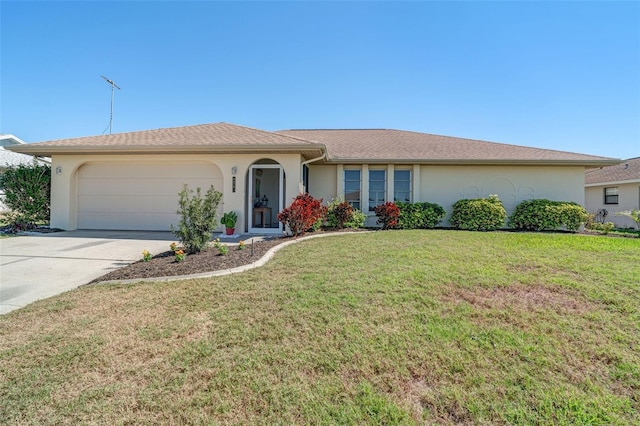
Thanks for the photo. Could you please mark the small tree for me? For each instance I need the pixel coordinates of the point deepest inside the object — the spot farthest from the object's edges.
(198, 217)
(27, 193)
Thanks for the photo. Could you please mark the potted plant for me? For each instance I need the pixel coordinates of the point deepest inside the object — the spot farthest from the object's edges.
(229, 220)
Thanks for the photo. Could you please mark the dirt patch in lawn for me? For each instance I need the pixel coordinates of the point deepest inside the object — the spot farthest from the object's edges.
(520, 297)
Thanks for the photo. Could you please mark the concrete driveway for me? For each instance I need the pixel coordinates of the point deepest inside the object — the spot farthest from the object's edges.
(34, 267)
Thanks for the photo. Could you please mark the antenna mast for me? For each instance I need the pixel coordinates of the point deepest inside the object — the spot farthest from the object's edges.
(112, 86)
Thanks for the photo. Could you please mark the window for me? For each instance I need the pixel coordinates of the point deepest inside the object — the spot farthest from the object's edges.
(377, 188)
(611, 195)
(352, 188)
(402, 185)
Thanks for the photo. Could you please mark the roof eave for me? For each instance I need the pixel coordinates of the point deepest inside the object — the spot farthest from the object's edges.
(166, 149)
(613, 182)
(485, 162)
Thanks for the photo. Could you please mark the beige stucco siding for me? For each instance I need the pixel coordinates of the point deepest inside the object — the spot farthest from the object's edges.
(447, 184)
(513, 184)
(323, 182)
(628, 199)
(70, 193)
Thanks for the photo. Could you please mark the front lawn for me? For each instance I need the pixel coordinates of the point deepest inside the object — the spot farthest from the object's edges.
(397, 327)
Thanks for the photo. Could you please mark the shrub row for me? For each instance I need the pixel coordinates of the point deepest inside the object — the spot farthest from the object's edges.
(479, 214)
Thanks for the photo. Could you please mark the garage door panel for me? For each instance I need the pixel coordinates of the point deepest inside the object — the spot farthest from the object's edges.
(119, 203)
(135, 187)
(146, 170)
(136, 196)
(127, 222)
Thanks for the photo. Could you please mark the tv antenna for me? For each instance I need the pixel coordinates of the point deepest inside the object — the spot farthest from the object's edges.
(112, 86)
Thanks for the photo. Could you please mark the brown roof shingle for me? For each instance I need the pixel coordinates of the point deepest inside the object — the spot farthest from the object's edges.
(399, 145)
(341, 146)
(204, 136)
(628, 170)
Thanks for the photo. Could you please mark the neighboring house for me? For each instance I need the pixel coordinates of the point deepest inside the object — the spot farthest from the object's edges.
(8, 158)
(131, 180)
(613, 189)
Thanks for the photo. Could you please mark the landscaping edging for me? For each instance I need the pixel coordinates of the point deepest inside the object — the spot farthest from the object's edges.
(258, 263)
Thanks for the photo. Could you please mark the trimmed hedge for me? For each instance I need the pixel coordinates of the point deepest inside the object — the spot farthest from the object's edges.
(420, 215)
(479, 214)
(546, 215)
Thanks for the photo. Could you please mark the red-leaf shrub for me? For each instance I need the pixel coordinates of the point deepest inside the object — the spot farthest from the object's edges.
(302, 214)
(341, 213)
(388, 214)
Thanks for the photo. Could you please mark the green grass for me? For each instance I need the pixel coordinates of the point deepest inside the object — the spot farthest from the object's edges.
(399, 327)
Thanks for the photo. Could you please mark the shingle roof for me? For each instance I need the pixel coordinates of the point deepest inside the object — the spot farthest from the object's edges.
(629, 170)
(216, 136)
(399, 145)
(373, 145)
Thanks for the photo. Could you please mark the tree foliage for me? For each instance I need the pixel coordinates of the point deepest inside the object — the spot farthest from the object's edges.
(198, 217)
(27, 193)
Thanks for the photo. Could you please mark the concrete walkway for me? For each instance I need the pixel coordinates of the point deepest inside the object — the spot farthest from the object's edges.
(37, 266)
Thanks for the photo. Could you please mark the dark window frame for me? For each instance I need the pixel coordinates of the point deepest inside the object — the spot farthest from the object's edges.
(611, 198)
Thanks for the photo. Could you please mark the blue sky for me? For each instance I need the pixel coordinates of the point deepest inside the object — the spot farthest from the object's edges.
(558, 75)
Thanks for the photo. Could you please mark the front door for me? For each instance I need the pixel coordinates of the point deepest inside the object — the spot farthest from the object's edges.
(266, 188)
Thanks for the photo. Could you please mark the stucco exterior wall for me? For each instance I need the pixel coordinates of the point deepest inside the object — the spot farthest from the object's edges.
(628, 199)
(513, 184)
(323, 182)
(64, 205)
(447, 184)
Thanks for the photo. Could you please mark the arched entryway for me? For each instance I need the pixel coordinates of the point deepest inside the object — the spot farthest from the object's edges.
(266, 183)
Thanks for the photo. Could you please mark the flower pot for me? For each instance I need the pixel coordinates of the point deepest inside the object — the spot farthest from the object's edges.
(230, 231)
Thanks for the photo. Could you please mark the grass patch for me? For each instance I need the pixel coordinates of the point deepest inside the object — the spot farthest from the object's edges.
(402, 327)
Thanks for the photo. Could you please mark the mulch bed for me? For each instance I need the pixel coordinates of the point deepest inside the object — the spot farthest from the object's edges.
(165, 265)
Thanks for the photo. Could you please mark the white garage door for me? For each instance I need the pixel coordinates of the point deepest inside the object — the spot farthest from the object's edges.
(138, 196)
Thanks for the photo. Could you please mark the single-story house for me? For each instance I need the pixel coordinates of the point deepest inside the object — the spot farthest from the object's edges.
(130, 181)
(612, 189)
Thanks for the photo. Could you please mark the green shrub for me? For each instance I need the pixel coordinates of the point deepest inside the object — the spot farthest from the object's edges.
(388, 215)
(546, 215)
(603, 228)
(27, 193)
(420, 215)
(340, 214)
(303, 213)
(480, 214)
(198, 217)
